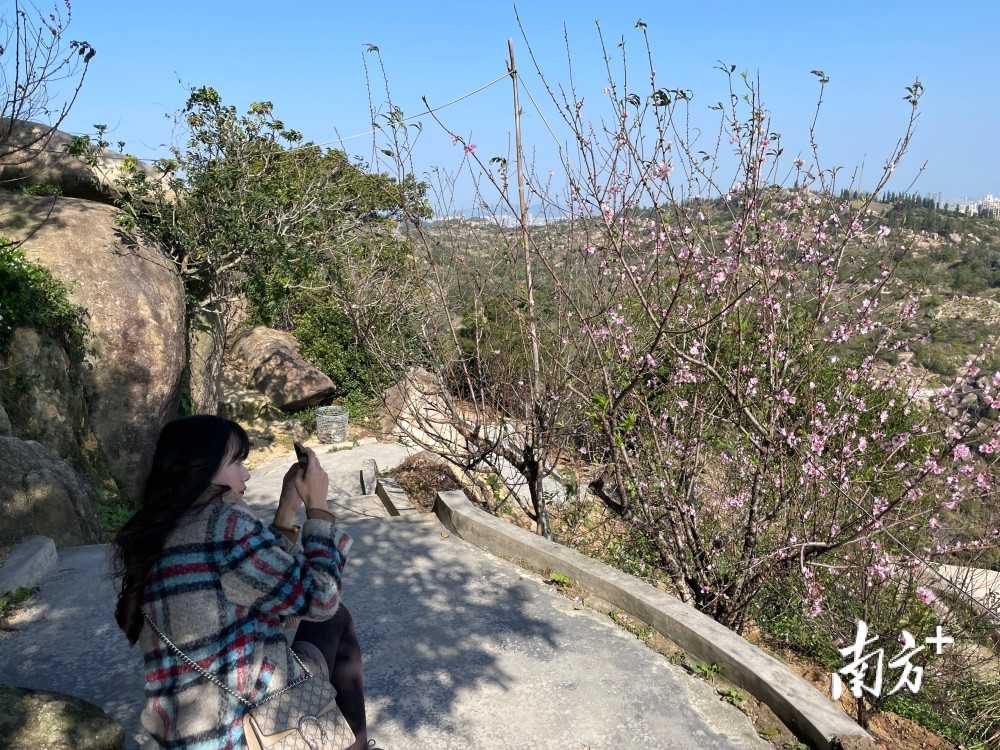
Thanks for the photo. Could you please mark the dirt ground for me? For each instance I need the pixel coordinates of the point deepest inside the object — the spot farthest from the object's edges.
(421, 478)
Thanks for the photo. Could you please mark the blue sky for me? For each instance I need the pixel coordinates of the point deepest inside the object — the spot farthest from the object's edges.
(307, 57)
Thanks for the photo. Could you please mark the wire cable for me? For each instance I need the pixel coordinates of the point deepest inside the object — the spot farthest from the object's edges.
(431, 110)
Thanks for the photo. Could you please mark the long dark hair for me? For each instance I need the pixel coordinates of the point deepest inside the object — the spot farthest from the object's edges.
(188, 454)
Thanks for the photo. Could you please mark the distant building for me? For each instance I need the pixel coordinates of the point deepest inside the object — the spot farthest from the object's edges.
(990, 208)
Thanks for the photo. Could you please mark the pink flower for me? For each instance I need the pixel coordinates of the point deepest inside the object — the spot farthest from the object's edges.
(925, 595)
(471, 148)
(798, 163)
(663, 170)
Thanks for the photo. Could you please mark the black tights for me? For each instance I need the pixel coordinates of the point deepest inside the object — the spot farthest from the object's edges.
(338, 642)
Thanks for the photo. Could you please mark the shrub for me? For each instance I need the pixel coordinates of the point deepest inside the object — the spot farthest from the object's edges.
(31, 297)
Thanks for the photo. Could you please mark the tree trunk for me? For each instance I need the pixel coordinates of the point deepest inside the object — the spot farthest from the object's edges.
(534, 477)
(206, 347)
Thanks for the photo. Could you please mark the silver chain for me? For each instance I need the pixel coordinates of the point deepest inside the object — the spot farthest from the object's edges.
(212, 678)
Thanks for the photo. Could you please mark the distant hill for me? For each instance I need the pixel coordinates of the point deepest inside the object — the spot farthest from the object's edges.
(950, 261)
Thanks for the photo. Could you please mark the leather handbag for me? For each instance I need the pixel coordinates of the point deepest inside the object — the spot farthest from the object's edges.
(306, 718)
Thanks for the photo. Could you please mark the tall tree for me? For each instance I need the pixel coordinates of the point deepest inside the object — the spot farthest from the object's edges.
(250, 212)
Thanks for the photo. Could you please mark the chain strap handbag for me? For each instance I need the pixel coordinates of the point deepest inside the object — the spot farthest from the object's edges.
(302, 719)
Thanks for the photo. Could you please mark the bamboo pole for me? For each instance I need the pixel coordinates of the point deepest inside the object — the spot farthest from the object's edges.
(535, 407)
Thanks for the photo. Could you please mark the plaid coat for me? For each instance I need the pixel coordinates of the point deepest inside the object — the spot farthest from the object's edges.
(221, 591)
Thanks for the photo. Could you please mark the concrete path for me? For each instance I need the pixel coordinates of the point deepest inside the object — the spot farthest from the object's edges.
(462, 649)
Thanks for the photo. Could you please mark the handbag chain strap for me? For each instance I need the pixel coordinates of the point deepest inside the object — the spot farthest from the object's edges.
(212, 678)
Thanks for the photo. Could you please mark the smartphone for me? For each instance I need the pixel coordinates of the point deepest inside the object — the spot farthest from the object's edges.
(301, 454)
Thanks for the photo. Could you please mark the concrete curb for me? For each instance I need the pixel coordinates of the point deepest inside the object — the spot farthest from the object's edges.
(805, 711)
(28, 564)
(394, 498)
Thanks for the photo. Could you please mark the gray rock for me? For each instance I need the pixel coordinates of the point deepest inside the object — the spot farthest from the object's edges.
(417, 392)
(28, 565)
(50, 406)
(278, 370)
(135, 301)
(4, 423)
(48, 162)
(43, 720)
(41, 494)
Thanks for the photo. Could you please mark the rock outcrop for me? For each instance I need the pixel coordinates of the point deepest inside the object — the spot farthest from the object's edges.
(47, 160)
(48, 405)
(278, 371)
(41, 494)
(970, 404)
(135, 303)
(43, 720)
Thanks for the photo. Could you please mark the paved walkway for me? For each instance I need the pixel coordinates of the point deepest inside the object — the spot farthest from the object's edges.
(462, 649)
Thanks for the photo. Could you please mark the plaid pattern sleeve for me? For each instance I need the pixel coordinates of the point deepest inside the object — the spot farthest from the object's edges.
(257, 572)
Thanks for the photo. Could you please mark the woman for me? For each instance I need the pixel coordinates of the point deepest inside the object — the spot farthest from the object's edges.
(220, 584)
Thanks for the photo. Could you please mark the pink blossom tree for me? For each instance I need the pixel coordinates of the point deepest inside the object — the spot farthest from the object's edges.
(724, 326)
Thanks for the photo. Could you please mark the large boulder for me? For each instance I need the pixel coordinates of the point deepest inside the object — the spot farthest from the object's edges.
(278, 371)
(135, 301)
(45, 158)
(43, 720)
(417, 408)
(46, 401)
(41, 494)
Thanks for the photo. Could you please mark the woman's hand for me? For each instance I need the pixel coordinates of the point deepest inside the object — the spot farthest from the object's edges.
(290, 500)
(313, 484)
